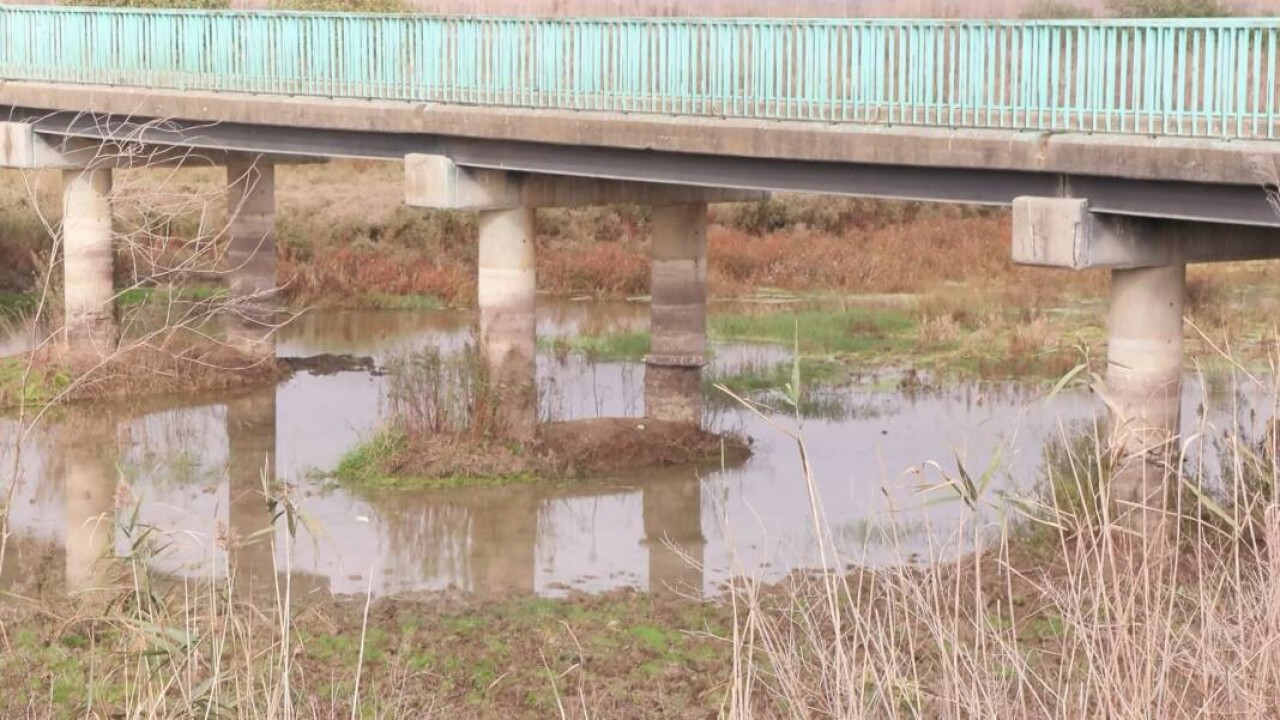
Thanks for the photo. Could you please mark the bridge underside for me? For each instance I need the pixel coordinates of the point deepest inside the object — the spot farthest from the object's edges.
(1175, 179)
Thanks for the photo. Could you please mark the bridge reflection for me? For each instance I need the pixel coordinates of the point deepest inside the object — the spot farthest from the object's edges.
(214, 515)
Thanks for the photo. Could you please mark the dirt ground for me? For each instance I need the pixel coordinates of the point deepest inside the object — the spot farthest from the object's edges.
(590, 446)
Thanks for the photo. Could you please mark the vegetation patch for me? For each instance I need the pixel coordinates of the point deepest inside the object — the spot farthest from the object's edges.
(188, 366)
(751, 378)
(27, 383)
(17, 305)
(142, 296)
(631, 345)
(446, 430)
(850, 330)
(561, 451)
(390, 460)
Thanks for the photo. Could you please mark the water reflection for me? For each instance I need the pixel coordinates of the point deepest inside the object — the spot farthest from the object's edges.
(251, 475)
(88, 453)
(197, 470)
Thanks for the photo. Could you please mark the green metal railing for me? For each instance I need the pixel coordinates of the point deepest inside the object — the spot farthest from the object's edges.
(1205, 78)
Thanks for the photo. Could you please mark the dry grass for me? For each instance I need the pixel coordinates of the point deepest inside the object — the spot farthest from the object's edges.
(345, 234)
(1064, 614)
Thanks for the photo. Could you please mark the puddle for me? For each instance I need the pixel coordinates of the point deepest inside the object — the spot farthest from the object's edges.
(196, 470)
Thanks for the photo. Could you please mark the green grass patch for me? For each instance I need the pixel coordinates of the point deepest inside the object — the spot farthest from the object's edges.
(857, 331)
(752, 378)
(134, 297)
(631, 345)
(36, 387)
(15, 306)
(373, 465)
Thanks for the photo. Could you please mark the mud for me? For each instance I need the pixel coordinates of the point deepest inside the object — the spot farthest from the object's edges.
(598, 445)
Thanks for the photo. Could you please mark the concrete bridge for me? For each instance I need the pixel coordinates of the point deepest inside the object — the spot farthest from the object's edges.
(1139, 146)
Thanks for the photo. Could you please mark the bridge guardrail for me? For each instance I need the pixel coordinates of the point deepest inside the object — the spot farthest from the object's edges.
(1199, 78)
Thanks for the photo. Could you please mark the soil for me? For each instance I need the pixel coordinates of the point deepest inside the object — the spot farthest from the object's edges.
(564, 449)
(605, 444)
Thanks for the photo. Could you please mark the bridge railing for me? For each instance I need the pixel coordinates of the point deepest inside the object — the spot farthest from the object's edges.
(1206, 78)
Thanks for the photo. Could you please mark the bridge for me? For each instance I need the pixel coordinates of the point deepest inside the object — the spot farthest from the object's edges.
(1138, 146)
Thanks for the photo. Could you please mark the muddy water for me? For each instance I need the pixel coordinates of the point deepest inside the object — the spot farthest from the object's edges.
(195, 469)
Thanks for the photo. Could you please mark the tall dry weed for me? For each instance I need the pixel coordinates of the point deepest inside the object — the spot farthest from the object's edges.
(1055, 616)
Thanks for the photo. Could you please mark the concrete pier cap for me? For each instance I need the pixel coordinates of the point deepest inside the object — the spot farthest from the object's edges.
(436, 181)
(1065, 233)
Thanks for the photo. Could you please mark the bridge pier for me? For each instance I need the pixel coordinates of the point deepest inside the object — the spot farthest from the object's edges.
(88, 262)
(506, 295)
(1144, 384)
(251, 254)
(678, 314)
(1148, 262)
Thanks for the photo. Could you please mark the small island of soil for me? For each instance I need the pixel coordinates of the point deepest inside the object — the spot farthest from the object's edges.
(576, 448)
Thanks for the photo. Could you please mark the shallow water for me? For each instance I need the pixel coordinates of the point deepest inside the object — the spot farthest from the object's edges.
(195, 469)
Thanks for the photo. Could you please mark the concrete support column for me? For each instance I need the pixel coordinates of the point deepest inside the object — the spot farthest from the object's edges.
(89, 486)
(508, 328)
(88, 262)
(1144, 382)
(678, 319)
(673, 533)
(251, 467)
(251, 253)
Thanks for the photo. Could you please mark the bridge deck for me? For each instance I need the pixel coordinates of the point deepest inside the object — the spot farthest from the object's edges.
(1184, 78)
